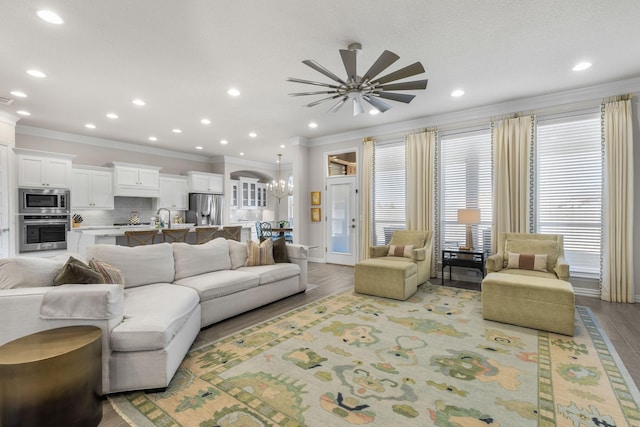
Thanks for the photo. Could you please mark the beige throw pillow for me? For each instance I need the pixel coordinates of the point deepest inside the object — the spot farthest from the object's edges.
(77, 272)
(536, 262)
(109, 273)
(259, 253)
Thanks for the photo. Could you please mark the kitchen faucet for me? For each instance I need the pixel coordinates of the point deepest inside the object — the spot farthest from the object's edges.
(168, 216)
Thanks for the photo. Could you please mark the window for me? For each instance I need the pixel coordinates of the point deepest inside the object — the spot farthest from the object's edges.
(569, 187)
(465, 182)
(389, 190)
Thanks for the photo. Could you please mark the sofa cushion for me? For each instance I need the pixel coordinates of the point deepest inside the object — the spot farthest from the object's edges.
(191, 260)
(220, 283)
(237, 253)
(77, 272)
(29, 272)
(533, 246)
(139, 265)
(273, 273)
(153, 315)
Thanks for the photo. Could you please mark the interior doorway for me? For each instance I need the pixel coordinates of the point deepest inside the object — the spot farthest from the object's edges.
(341, 219)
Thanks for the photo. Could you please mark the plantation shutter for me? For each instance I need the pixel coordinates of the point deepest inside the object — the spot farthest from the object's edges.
(389, 190)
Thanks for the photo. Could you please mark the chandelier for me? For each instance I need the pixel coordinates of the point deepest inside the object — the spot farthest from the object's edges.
(279, 188)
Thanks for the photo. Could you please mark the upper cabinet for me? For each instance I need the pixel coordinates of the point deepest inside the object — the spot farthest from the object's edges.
(135, 180)
(91, 188)
(39, 169)
(173, 193)
(235, 192)
(203, 182)
(249, 193)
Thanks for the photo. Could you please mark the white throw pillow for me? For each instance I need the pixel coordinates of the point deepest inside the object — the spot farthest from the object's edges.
(139, 265)
(191, 260)
(238, 253)
(29, 272)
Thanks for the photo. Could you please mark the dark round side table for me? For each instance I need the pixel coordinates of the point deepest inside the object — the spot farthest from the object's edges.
(52, 378)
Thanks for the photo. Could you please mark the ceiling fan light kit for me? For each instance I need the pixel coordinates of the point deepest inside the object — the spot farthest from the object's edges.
(367, 87)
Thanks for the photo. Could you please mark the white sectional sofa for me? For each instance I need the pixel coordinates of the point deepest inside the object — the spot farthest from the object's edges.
(170, 292)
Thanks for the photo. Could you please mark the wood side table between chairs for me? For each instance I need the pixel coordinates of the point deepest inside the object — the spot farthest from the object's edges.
(140, 237)
(205, 234)
(52, 378)
(174, 234)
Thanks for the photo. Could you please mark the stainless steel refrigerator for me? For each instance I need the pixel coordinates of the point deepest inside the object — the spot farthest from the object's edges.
(205, 209)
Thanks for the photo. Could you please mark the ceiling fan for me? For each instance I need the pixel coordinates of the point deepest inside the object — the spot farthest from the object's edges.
(367, 87)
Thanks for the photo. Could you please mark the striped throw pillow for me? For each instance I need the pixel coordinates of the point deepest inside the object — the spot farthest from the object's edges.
(259, 253)
(400, 250)
(535, 262)
(109, 273)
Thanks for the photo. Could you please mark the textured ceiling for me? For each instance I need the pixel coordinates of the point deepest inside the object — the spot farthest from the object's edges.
(182, 56)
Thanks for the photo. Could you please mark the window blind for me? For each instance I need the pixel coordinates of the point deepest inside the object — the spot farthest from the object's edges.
(569, 187)
(389, 190)
(465, 182)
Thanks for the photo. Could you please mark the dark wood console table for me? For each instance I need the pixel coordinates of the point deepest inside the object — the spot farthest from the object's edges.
(455, 257)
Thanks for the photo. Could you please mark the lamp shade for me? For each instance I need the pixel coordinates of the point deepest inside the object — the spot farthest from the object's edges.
(469, 216)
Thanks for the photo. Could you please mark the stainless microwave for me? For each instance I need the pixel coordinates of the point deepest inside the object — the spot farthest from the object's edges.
(43, 201)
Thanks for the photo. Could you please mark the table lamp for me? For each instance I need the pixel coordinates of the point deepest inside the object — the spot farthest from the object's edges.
(468, 216)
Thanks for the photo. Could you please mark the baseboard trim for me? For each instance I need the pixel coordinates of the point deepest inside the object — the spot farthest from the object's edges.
(587, 292)
(318, 260)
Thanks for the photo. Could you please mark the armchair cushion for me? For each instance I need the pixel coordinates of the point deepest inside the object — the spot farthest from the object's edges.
(400, 250)
(537, 262)
(533, 246)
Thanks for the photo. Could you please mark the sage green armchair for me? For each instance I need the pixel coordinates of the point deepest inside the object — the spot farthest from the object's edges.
(421, 254)
(550, 245)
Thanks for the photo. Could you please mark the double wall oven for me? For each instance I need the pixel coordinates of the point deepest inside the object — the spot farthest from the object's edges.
(43, 218)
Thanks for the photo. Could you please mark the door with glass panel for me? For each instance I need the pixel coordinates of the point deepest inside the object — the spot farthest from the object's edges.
(341, 216)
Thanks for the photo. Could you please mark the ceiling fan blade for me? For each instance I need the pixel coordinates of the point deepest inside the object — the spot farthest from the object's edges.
(338, 105)
(320, 101)
(319, 68)
(349, 61)
(417, 84)
(320, 92)
(408, 71)
(377, 103)
(382, 63)
(400, 97)
(309, 82)
(357, 107)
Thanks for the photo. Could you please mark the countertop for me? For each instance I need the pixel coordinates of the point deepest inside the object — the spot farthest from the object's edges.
(115, 231)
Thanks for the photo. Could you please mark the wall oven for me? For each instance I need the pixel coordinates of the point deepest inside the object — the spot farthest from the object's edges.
(41, 201)
(43, 232)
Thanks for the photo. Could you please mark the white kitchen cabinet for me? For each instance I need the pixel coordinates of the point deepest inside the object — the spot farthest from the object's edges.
(39, 169)
(249, 193)
(174, 193)
(91, 188)
(135, 180)
(203, 182)
(261, 195)
(235, 192)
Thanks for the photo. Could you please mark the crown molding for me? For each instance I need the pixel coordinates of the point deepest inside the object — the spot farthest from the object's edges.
(8, 118)
(101, 142)
(250, 163)
(593, 93)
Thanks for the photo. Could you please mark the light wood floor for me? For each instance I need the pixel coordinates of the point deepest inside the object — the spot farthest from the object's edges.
(621, 322)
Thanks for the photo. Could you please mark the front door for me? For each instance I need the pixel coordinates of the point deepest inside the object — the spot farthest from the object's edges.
(341, 213)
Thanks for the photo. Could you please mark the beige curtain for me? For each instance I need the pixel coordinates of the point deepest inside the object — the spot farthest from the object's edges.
(420, 206)
(367, 190)
(512, 139)
(617, 265)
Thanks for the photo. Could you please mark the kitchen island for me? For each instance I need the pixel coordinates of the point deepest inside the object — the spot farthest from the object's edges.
(80, 238)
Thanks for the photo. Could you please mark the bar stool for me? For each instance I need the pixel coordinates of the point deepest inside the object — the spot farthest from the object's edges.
(174, 234)
(232, 232)
(205, 234)
(140, 237)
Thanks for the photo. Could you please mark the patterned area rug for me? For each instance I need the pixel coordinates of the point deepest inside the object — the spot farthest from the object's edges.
(432, 360)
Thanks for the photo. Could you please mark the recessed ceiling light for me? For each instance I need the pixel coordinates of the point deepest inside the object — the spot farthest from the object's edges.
(205, 121)
(50, 16)
(18, 94)
(153, 138)
(581, 66)
(112, 115)
(23, 113)
(139, 102)
(224, 141)
(36, 73)
(456, 93)
(176, 130)
(233, 92)
(374, 111)
(90, 126)
(199, 147)
(242, 154)
(281, 145)
(253, 135)
(313, 125)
